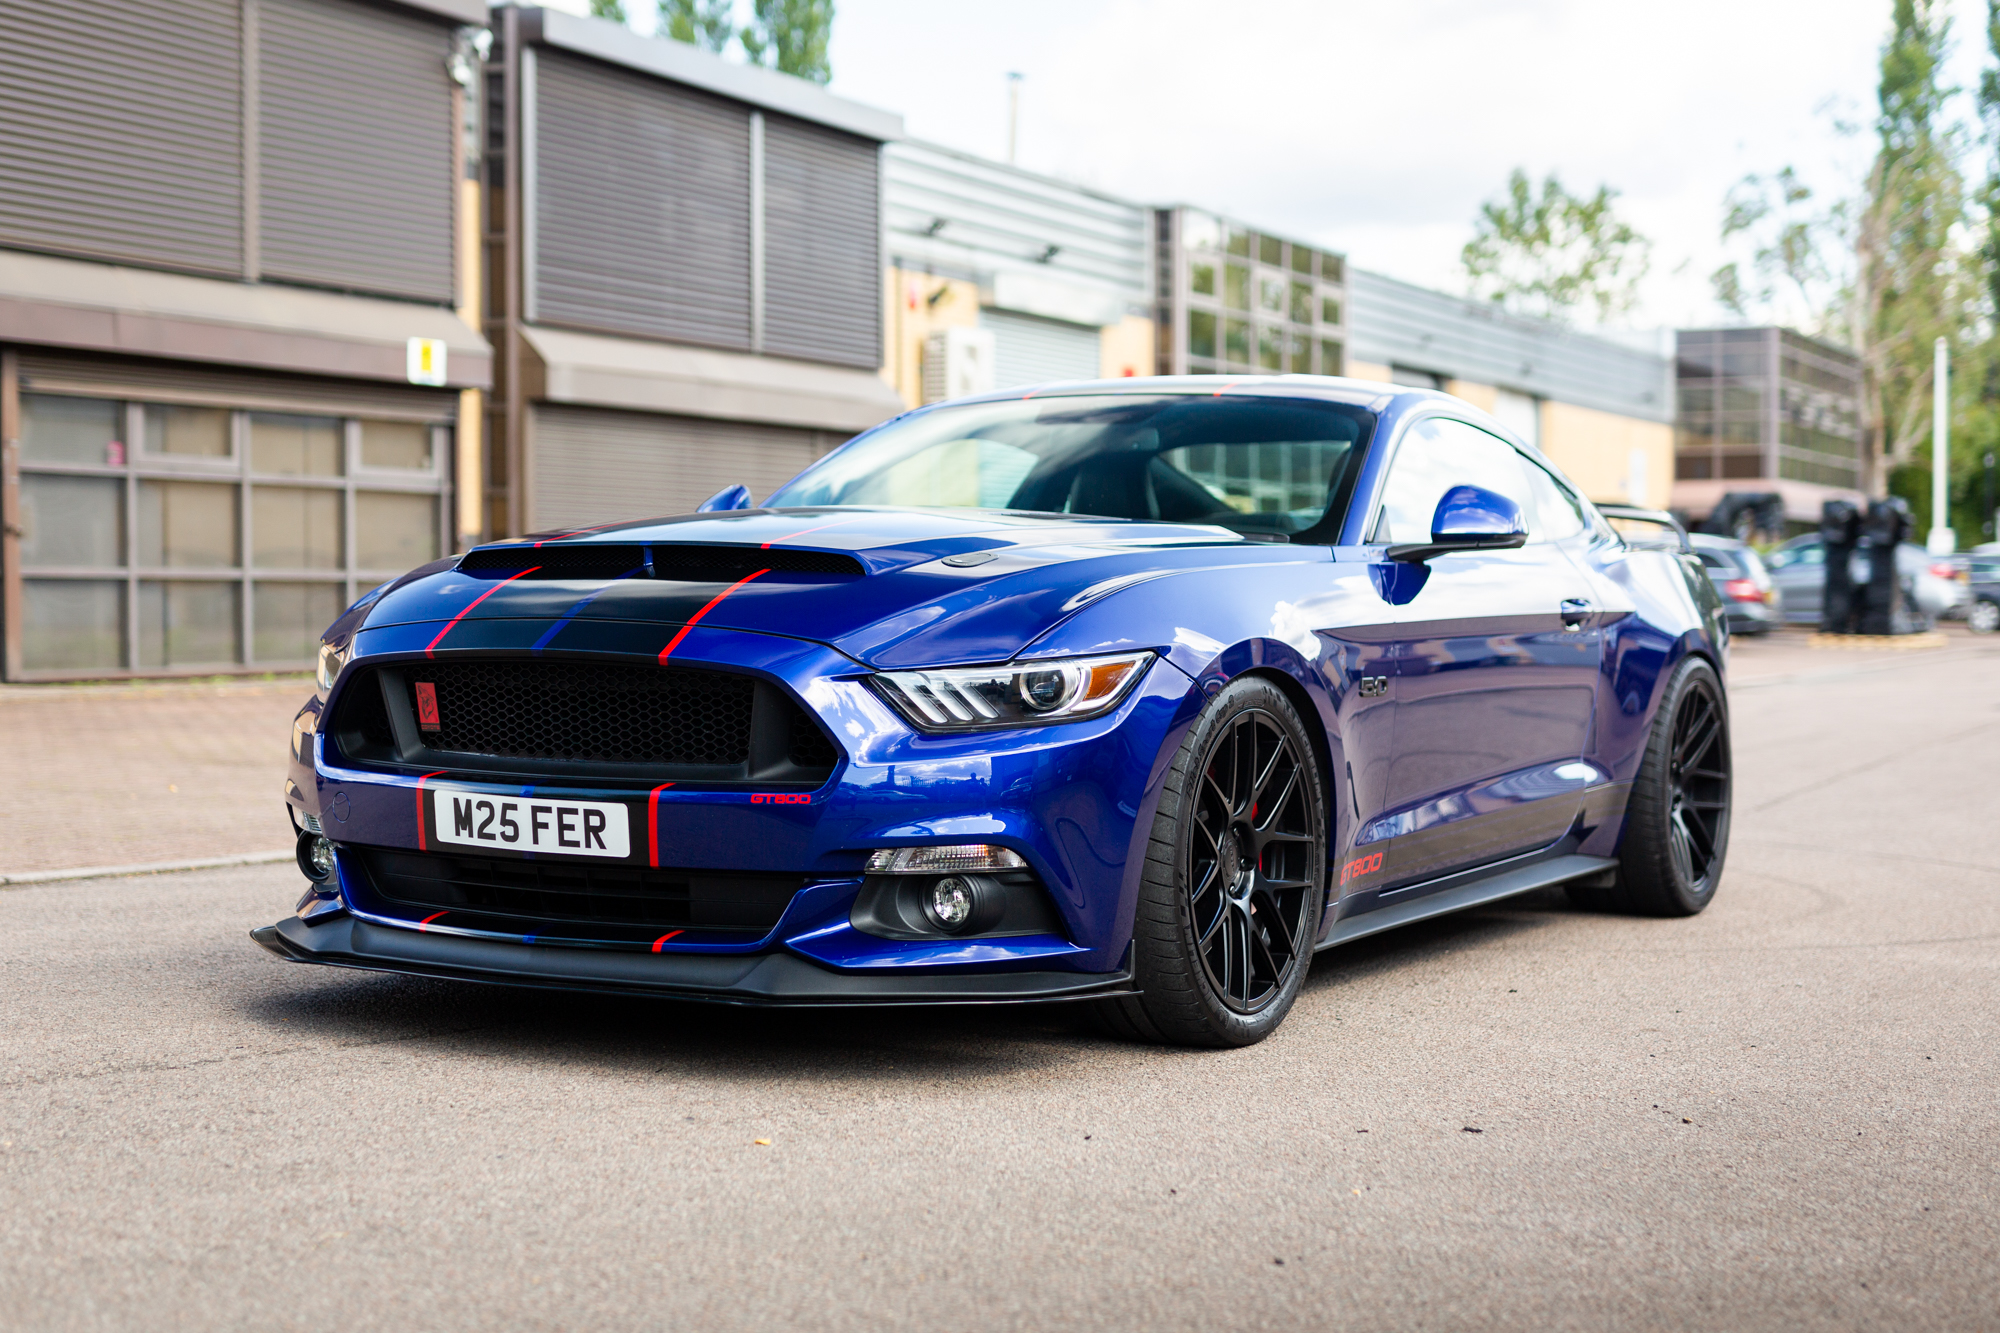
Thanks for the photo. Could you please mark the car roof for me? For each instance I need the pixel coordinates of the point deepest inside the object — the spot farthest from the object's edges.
(1715, 543)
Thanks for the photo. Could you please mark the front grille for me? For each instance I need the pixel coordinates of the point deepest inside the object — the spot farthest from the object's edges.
(810, 748)
(560, 562)
(578, 898)
(588, 712)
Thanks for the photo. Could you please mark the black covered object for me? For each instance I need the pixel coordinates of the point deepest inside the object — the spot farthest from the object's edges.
(1888, 524)
(1839, 530)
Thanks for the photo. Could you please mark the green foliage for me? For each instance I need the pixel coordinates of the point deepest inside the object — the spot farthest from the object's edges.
(608, 9)
(708, 24)
(1554, 253)
(1790, 277)
(791, 36)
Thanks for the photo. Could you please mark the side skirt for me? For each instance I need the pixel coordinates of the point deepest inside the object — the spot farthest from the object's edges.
(1490, 889)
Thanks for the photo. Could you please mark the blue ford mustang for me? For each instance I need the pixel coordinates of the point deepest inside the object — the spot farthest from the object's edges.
(1136, 693)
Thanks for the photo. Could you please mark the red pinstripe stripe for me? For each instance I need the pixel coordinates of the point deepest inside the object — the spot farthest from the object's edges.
(694, 620)
(653, 824)
(794, 536)
(425, 924)
(422, 845)
(663, 939)
(475, 602)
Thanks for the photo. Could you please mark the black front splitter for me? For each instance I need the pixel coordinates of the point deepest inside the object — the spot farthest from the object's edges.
(758, 979)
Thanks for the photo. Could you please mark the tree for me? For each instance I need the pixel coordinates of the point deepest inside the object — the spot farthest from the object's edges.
(708, 24)
(1550, 254)
(608, 9)
(1795, 274)
(790, 36)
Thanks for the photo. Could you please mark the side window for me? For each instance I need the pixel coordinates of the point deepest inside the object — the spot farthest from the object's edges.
(1435, 455)
(1557, 513)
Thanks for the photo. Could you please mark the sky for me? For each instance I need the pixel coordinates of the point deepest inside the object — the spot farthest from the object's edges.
(1378, 128)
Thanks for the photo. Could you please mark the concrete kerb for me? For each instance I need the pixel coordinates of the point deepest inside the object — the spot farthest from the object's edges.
(159, 868)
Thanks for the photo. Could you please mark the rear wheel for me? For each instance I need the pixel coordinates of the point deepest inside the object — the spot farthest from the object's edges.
(1983, 617)
(1677, 820)
(1229, 902)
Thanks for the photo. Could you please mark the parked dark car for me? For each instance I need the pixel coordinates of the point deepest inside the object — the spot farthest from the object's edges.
(1752, 601)
(1982, 616)
(1930, 588)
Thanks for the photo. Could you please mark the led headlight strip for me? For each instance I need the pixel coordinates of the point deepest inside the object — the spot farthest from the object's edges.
(1012, 694)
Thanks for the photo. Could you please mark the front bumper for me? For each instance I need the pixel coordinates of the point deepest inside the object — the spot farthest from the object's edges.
(750, 979)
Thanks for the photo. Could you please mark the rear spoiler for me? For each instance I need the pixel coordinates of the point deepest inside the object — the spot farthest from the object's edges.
(1657, 517)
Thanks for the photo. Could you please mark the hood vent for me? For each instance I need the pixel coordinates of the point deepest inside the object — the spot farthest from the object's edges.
(688, 564)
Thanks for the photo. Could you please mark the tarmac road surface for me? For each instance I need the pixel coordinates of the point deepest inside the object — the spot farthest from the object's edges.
(1781, 1114)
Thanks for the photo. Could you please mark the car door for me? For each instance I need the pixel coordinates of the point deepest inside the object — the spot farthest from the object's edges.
(1497, 665)
(1799, 571)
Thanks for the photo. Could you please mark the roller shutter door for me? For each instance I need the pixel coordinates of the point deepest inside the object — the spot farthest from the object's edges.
(356, 134)
(592, 465)
(641, 205)
(119, 134)
(1027, 350)
(822, 244)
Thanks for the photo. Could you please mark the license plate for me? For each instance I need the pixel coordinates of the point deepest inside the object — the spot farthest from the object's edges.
(528, 824)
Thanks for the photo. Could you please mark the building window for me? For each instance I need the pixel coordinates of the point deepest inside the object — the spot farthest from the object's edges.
(228, 538)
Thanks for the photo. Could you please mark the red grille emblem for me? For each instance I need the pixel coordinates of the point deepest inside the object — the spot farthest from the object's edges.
(427, 706)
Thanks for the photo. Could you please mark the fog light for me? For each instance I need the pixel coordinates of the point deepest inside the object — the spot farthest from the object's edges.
(950, 903)
(315, 856)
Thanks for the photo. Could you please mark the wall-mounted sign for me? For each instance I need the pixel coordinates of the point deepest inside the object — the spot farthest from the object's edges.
(426, 361)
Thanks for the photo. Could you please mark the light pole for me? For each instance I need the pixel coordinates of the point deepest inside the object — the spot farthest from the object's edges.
(1941, 540)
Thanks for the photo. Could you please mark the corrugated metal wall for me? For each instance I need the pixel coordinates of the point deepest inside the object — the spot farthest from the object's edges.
(641, 206)
(170, 382)
(822, 244)
(355, 112)
(120, 130)
(1027, 350)
(593, 465)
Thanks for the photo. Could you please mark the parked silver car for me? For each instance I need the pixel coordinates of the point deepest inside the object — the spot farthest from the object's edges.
(1931, 587)
(1749, 597)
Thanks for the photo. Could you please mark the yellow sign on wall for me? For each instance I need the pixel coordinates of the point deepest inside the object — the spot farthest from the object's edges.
(426, 361)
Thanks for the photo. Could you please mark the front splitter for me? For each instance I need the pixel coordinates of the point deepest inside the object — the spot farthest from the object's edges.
(754, 979)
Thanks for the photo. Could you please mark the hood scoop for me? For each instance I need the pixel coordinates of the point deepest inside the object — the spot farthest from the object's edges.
(687, 564)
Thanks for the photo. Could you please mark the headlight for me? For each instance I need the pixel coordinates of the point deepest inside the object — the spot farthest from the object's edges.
(331, 660)
(1013, 694)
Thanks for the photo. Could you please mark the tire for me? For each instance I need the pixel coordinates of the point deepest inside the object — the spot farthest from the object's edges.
(1219, 959)
(1677, 819)
(1983, 617)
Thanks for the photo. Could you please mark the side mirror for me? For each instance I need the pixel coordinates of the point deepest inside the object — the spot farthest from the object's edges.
(1468, 518)
(729, 497)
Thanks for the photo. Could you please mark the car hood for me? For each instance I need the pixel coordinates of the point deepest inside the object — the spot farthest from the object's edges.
(919, 587)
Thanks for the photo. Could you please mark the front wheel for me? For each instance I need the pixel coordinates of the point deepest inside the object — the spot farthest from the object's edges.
(1983, 617)
(1677, 820)
(1229, 901)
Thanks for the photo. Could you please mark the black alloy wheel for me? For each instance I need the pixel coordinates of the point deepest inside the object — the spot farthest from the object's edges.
(1249, 862)
(1677, 818)
(1235, 877)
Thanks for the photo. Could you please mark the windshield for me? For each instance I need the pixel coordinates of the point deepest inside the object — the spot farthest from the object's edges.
(1276, 468)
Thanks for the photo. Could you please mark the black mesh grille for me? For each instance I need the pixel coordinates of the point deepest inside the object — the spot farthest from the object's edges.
(590, 712)
(729, 563)
(810, 748)
(560, 562)
(557, 897)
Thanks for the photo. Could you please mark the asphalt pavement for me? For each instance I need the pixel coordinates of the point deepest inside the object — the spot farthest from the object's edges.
(1781, 1114)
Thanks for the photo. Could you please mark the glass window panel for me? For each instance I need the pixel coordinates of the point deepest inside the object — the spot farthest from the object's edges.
(290, 617)
(1742, 398)
(1332, 358)
(1236, 341)
(1200, 367)
(1434, 456)
(394, 531)
(1332, 269)
(72, 520)
(1271, 250)
(187, 525)
(71, 430)
(1557, 513)
(1239, 242)
(1302, 303)
(1299, 354)
(188, 624)
(1329, 310)
(1236, 287)
(1741, 467)
(1200, 231)
(1201, 334)
(295, 528)
(1303, 260)
(1271, 294)
(1271, 348)
(187, 432)
(294, 445)
(397, 444)
(1201, 277)
(1693, 467)
(70, 625)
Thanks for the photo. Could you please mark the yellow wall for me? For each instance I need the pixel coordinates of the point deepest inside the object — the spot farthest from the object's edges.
(1126, 348)
(1594, 448)
(917, 304)
(1482, 396)
(1366, 370)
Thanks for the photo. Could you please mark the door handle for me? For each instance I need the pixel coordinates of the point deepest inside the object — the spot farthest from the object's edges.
(1575, 610)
